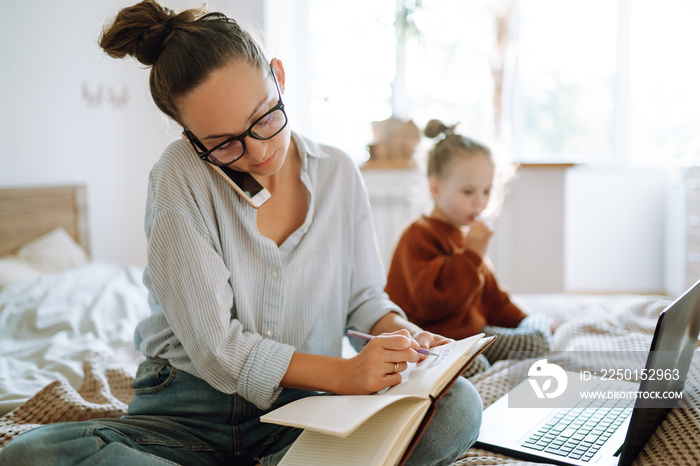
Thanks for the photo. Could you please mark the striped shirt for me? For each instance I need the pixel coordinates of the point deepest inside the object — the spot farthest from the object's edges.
(227, 304)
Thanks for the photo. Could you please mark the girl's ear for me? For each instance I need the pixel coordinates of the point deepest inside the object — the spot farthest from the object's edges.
(278, 68)
(434, 184)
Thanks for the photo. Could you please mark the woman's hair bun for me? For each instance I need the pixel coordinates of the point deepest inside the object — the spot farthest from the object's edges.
(434, 128)
(142, 31)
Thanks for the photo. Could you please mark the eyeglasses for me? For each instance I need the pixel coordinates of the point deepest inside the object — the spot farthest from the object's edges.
(231, 150)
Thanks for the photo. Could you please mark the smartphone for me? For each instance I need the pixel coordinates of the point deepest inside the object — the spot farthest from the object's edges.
(244, 184)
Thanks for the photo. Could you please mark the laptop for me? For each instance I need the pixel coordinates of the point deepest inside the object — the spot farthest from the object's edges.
(612, 431)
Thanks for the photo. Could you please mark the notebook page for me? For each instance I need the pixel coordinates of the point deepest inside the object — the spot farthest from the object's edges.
(379, 441)
(312, 413)
(435, 371)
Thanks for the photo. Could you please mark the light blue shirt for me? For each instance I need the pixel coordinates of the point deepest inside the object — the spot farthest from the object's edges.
(229, 305)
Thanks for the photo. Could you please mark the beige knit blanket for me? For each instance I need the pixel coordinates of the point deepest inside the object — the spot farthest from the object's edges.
(106, 390)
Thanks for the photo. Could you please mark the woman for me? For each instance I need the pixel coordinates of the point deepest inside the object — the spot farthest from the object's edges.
(249, 306)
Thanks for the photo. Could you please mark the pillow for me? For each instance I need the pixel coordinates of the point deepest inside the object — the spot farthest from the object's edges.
(53, 252)
(13, 270)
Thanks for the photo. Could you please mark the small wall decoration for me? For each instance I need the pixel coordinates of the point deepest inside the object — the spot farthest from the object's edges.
(104, 94)
(395, 141)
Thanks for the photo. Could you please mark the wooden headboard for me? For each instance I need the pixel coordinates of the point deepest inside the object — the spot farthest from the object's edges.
(27, 213)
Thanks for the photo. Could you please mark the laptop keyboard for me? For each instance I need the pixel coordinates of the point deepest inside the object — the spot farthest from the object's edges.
(579, 432)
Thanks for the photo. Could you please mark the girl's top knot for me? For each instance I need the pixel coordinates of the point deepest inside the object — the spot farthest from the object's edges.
(435, 128)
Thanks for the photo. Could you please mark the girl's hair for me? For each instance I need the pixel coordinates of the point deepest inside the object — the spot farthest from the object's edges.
(181, 49)
(450, 146)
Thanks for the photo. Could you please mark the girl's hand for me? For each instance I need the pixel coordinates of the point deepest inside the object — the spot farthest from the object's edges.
(478, 237)
(429, 340)
(380, 363)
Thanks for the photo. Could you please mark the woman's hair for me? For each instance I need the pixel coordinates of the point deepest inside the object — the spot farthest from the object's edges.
(182, 49)
(450, 146)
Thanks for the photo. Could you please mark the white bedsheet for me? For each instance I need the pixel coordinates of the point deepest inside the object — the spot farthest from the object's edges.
(48, 325)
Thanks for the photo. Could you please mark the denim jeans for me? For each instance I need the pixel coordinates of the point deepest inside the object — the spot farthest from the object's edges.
(176, 418)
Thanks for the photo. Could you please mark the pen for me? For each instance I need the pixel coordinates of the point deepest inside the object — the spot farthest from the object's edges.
(364, 336)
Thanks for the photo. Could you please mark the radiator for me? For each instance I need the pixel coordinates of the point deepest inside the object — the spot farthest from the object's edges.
(397, 197)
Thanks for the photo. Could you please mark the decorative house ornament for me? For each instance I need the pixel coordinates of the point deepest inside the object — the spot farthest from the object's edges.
(394, 143)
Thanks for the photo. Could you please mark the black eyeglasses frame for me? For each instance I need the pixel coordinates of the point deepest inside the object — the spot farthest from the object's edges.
(202, 151)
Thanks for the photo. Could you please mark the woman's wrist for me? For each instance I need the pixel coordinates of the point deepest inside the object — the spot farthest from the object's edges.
(313, 372)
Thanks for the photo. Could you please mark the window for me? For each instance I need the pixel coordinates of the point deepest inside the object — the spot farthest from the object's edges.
(665, 81)
(351, 68)
(592, 81)
(564, 100)
(340, 61)
(449, 66)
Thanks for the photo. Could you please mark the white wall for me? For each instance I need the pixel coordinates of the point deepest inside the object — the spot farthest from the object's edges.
(595, 229)
(614, 229)
(585, 229)
(70, 114)
(527, 248)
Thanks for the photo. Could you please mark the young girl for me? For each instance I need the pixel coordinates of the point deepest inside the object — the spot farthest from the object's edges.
(249, 306)
(440, 275)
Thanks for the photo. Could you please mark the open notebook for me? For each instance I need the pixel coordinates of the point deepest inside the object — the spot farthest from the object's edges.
(375, 429)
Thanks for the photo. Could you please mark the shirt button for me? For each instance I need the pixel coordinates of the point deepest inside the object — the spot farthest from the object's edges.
(270, 333)
(275, 273)
(305, 230)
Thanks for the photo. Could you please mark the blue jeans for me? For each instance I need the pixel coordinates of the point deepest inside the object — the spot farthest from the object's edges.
(176, 418)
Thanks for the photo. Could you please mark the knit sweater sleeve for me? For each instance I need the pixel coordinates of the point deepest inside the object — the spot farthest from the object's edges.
(499, 309)
(430, 281)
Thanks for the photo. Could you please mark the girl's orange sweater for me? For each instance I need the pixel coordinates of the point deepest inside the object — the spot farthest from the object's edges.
(444, 287)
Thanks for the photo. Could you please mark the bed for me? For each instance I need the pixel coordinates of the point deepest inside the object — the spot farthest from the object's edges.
(66, 322)
(66, 326)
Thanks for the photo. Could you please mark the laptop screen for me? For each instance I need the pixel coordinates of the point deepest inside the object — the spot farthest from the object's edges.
(672, 348)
